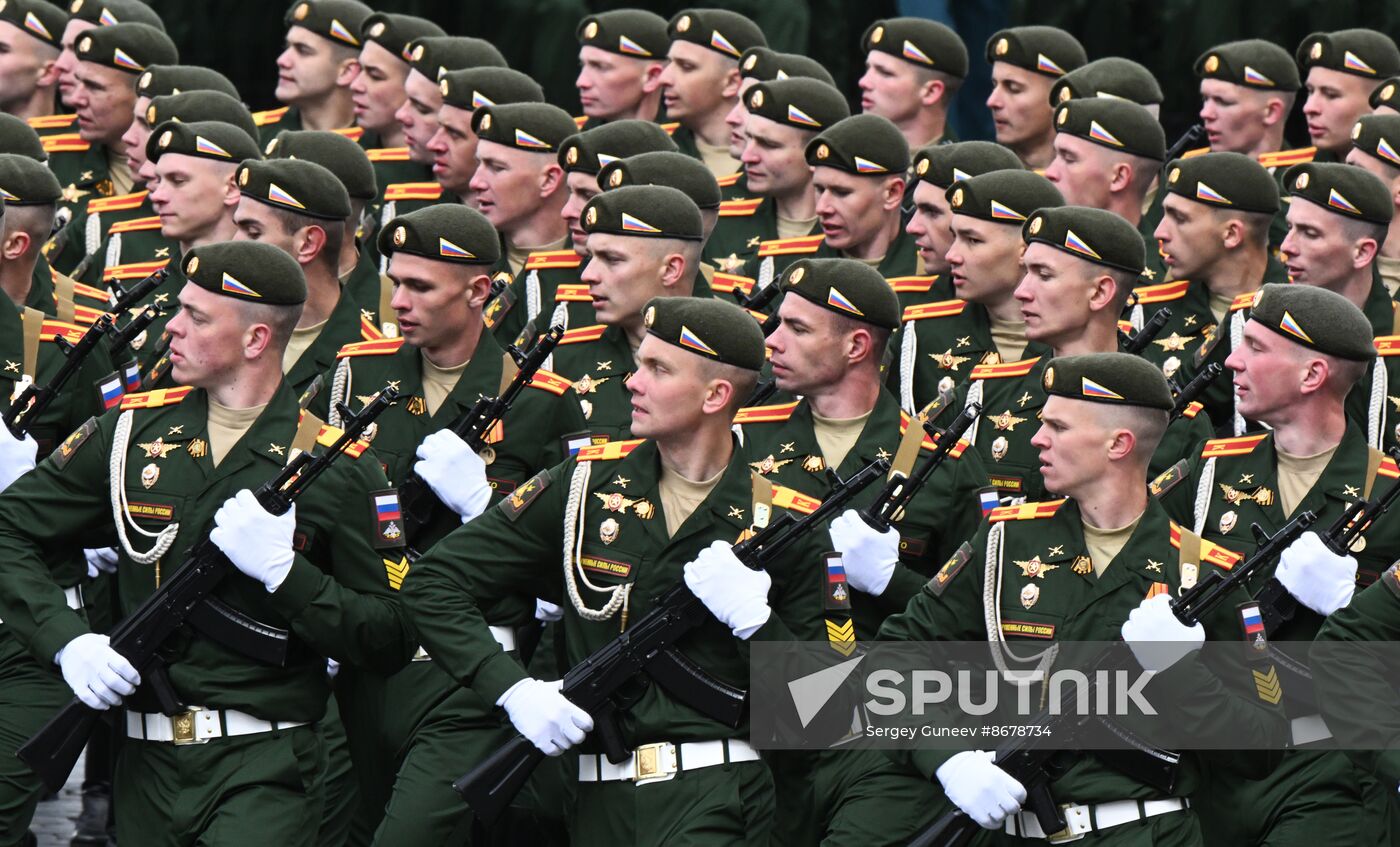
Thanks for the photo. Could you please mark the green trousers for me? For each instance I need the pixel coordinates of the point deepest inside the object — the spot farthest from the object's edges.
(721, 805)
(29, 696)
(851, 796)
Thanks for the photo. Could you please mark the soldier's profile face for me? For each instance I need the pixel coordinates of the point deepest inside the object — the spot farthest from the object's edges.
(190, 195)
(1057, 294)
(136, 135)
(853, 209)
(306, 68)
(207, 337)
(694, 81)
(890, 88)
(737, 117)
(1317, 250)
(774, 164)
(22, 61)
(623, 272)
(1371, 165)
(1082, 170)
(1188, 237)
(668, 390)
(1267, 373)
(1233, 115)
(611, 85)
(808, 347)
(507, 183)
(931, 226)
(256, 221)
(377, 90)
(1334, 101)
(433, 300)
(104, 99)
(582, 187)
(67, 61)
(1073, 443)
(1020, 104)
(984, 260)
(419, 115)
(454, 150)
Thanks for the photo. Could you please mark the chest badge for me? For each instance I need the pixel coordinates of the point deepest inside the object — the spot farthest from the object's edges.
(149, 475)
(999, 447)
(1035, 569)
(1227, 522)
(1030, 594)
(608, 530)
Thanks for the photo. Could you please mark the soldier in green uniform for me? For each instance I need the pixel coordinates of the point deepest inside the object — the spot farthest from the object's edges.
(315, 68)
(913, 70)
(1372, 150)
(621, 53)
(634, 518)
(701, 80)
(1247, 92)
(188, 459)
(1305, 347)
(1342, 70)
(377, 91)
(1113, 546)
(758, 64)
(31, 32)
(82, 17)
(1025, 62)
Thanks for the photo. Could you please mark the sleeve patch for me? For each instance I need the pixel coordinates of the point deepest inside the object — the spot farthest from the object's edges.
(388, 519)
(396, 571)
(1168, 479)
(70, 445)
(950, 569)
(520, 499)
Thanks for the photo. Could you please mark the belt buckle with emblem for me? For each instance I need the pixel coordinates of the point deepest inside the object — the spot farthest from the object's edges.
(1067, 834)
(182, 728)
(654, 763)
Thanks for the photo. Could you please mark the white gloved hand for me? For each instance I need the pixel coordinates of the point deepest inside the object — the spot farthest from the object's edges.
(1158, 640)
(547, 611)
(100, 560)
(258, 543)
(1319, 578)
(543, 715)
(455, 472)
(985, 792)
(735, 594)
(98, 675)
(16, 456)
(868, 555)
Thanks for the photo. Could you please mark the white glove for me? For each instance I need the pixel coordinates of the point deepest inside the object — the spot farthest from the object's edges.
(100, 560)
(547, 611)
(1319, 578)
(737, 595)
(545, 716)
(332, 668)
(98, 675)
(259, 544)
(16, 456)
(1158, 640)
(455, 472)
(868, 555)
(985, 792)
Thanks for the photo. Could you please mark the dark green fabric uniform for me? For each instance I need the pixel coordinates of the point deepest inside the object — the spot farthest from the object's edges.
(597, 361)
(81, 237)
(1375, 401)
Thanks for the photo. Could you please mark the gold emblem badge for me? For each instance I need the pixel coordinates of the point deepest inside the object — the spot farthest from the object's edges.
(151, 115)
(1002, 46)
(243, 177)
(607, 530)
(417, 52)
(1174, 176)
(158, 449)
(958, 199)
(198, 448)
(1212, 63)
(446, 87)
(77, 4)
(1035, 569)
(592, 217)
(400, 236)
(922, 167)
(1227, 522)
(85, 45)
(1356, 131)
(814, 464)
(165, 139)
(572, 156)
(999, 447)
(149, 475)
(1316, 52)
(823, 151)
(948, 361)
(302, 11)
(650, 317)
(1036, 224)
(377, 30)
(756, 100)
(1006, 421)
(1388, 92)
(768, 464)
(591, 31)
(1082, 565)
(796, 276)
(145, 77)
(1300, 183)
(1030, 594)
(616, 179)
(1066, 93)
(683, 24)
(485, 122)
(1063, 116)
(191, 266)
(877, 34)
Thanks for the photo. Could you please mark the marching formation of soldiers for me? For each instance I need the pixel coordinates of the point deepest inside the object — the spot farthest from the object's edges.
(338, 434)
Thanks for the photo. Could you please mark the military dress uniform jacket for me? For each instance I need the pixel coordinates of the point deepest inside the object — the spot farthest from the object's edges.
(546, 291)
(597, 361)
(372, 292)
(288, 119)
(744, 224)
(130, 248)
(336, 601)
(81, 168)
(1374, 403)
(344, 325)
(85, 233)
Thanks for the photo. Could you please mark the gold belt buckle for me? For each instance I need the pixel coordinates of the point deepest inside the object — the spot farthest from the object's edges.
(183, 727)
(1067, 834)
(654, 763)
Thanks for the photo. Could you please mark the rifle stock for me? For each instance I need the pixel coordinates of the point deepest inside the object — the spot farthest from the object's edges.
(34, 400)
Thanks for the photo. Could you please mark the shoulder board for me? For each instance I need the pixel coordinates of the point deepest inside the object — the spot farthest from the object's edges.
(1388, 468)
(388, 154)
(1240, 446)
(135, 225)
(912, 284)
(943, 309)
(1025, 511)
(788, 246)
(329, 434)
(1284, 158)
(608, 451)
(732, 282)
(1008, 369)
(368, 331)
(377, 347)
(552, 259)
(51, 121)
(1199, 151)
(583, 334)
(154, 399)
(1222, 557)
(413, 191)
(270, 116)
(354, 133)
(1163, 292)
(1192, 409)
(671, 127)
(80, 289)
(1125, 327)
(740, 208)
(581, 121)
(118, 203)
(53, 330)
(1388, 345)
(794, 501)
(86, 316)
(68, 142)
(573, 293)
(1244, 301)
(136, 270)
(551, 382)
(765, 414)
(731, 179)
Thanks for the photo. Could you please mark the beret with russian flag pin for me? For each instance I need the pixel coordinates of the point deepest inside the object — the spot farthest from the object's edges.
(1119, 379)
(727, 33)
(37, 19)
(1111, 76)
(940, 165)
(1344, 190)
(534, 127)
(685, 173)
(644, 211)
(127, 47)
(635, 33)
(1003, 197)
(798, 102)
(435, 55)
(1378, 135)
(25, 181)
(1387, 95)
(473, 88)
(847, 287)
(1120, 125)
(1359, 52)
(1252, 63)
(1224, 180)
(108, 12)
(333, 151)
(191, 106)
(446, 232)
(299, 186)
(253, 271)
(1094, 235)
(337, 21)
(765, 63)
(160, 80)
(919, 41)
(597, 147)
(1045, 50)
(706, 326)
(1316, 318)
(213, 140)
(865, 145)
(394, 31)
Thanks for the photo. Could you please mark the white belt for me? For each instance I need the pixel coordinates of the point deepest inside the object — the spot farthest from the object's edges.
(73, 597)
(197, 725)
(504, 635)
(1308, 729)
(1082, 820)
(663, 760)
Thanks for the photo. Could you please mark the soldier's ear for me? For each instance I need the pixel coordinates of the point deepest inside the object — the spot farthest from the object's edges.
(346, 72)
(732, 78)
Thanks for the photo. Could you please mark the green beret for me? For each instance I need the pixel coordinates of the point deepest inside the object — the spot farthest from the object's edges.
(686, 174)
(393, 32)
(589, 151)
(1253, 63)
(845, 286)
(919, 41)
(941, 165)
(336, 20)
(1120, 379)
(799, 102)
(725, 32)
(191, 106)
(536, 127)
(27, 182)
(108, 12)
(709, 327)
(644, 211)
(1094, 235)
(1378, 135)
(434, 55)
(295, 185)
(1316, 318)
(254, 271)
(867, 145)
(1361, 52)
(1004, 197)
(765, 63)
(38, 18)
(446, 232)
(1224, 180)
(628, 32)
(1384, 95)
(214, 140)
(335, 152)
(1109, 77)
(473, 88)
(17, 136)
(127, 47)
(1044, 49)
(159, 80)
(1346, 190)
(1116, 124)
